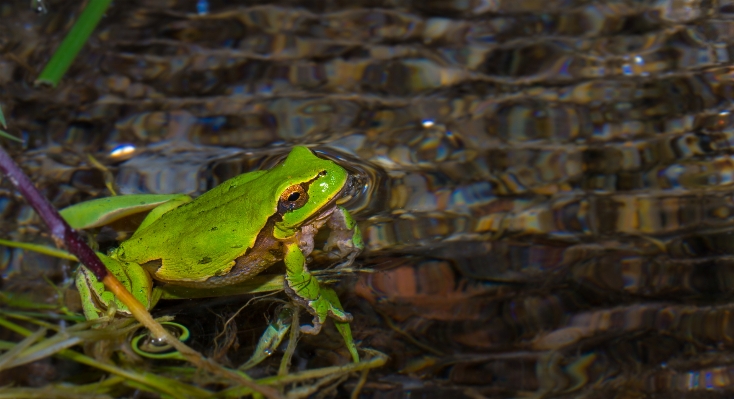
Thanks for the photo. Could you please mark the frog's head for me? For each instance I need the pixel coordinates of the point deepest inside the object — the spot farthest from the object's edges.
(312, 187)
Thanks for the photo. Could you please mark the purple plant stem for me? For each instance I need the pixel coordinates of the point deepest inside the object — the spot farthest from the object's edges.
(61, 232)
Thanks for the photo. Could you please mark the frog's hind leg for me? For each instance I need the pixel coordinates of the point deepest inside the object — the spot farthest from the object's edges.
(330, 301)
(306, 290)
(343, 327)
(96, 299)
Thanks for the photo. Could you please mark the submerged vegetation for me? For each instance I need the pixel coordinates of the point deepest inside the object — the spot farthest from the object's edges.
(127, 372)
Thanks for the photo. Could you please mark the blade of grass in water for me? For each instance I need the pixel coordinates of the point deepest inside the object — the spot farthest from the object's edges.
(41, 249)
(73, 42)
(5, 126)
(9, 136)
(14, 352)
(2, 119)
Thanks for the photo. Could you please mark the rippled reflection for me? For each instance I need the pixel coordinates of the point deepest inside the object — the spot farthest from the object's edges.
(545, 188)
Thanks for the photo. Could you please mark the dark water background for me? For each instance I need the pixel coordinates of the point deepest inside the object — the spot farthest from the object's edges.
(548, 184)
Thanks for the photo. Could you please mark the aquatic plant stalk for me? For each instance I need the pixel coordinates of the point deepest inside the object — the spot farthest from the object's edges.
(73, 42)
(61, 232)
(64, 235)
(374, 359)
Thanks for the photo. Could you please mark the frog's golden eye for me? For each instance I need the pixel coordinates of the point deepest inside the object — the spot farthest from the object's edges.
(292, 198)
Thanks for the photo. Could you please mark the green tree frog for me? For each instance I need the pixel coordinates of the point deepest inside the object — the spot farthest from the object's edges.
(230, 234)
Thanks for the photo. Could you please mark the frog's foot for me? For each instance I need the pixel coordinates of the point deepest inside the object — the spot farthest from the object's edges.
(325, 305)
(341, 323)
(312, 330)
(322, 308)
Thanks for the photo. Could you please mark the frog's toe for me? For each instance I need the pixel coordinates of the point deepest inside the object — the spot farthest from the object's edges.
(335, 308)
(314, 329)
(340, 314)
(347, 262)
(318, 321)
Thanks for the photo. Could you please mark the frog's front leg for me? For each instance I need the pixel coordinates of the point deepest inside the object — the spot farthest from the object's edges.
(345, 240)
(305, 289)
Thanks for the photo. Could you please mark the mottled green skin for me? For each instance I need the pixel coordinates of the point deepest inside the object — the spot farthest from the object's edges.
(202, 238)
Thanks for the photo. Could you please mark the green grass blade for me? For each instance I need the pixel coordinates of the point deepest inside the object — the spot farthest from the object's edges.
(11, 355)
(9, 136)
(44, 349)
(4, 125)
(2, 119)
(73, 42)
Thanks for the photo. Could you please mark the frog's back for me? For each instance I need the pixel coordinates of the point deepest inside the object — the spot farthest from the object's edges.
(199, 239)
(203, 238)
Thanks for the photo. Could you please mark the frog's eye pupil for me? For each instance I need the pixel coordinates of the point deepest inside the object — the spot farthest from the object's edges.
(292, 198)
